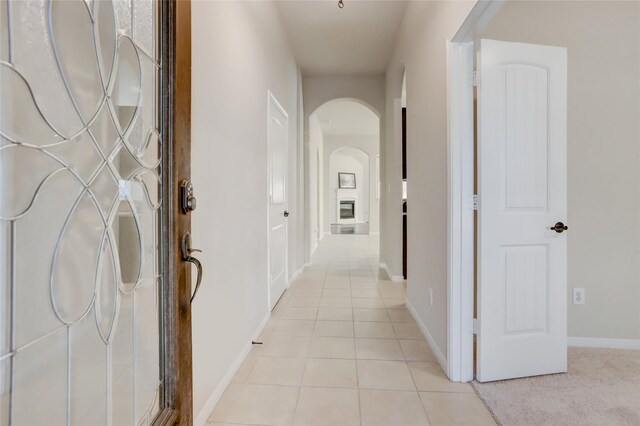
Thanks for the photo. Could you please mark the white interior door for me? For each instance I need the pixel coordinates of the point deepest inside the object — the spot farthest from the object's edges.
(277, 157)
(522, 275)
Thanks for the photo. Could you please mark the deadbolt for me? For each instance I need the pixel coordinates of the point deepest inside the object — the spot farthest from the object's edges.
(559, 227)
(187, 199)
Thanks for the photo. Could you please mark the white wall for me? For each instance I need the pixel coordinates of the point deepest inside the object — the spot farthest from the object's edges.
(320, 90)
(603, 43)
(316, 183)
(391, 169)
(239, 52)
(421, 50)
(369, 145)
(299, 180)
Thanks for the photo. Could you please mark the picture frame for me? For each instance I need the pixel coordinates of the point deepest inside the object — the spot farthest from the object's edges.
(346, 180)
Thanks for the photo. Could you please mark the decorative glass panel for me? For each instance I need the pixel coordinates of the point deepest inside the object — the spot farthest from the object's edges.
(80, 186)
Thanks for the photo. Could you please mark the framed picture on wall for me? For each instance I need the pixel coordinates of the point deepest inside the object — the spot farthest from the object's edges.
(346, 180)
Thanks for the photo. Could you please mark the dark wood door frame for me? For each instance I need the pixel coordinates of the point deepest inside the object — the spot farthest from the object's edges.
(176, 397)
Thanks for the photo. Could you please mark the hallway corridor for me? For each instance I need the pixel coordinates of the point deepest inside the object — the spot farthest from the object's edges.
(342, 349)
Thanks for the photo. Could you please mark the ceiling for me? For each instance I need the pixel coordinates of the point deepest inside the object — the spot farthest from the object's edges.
(327, 40)
(343, 117)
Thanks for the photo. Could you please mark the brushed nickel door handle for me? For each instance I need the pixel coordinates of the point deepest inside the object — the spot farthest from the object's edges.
(186, 256)
(198, 265)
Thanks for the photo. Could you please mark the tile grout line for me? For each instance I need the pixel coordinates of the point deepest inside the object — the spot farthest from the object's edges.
(352, 254)
(355, 387)
(424, 408)
(355, 348)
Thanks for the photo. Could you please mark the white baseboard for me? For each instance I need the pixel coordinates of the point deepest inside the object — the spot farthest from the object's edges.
(396, 278)
(295, 275)
(374, 233)
(298, 272)
(596, 342)
(432, 343)
(202, 417)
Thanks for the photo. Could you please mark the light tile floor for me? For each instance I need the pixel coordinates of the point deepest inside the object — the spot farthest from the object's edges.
(342, 349)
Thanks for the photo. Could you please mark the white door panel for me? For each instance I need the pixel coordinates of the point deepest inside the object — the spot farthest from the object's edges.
(522, 269)
(277, 157)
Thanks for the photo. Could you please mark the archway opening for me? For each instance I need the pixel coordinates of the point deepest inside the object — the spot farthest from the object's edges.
(348, 194)
(344, 145)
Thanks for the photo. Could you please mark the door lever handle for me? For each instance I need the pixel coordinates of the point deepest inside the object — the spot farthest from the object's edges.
(186, 256)
(198, 265)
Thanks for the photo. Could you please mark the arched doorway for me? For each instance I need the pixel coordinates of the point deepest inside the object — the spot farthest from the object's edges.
(348, 193)
(343, 134)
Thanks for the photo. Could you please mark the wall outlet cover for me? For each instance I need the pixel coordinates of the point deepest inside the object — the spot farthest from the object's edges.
(578, 296)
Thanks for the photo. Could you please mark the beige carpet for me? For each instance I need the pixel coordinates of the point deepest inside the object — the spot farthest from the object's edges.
(602, 387)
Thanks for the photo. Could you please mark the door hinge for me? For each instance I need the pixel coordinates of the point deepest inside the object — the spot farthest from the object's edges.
(475, 202)
(476, 326)
(475, 78)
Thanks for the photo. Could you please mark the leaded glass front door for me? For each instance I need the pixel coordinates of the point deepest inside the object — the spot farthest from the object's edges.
(81, 186)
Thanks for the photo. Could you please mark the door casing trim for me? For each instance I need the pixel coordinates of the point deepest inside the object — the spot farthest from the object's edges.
(460, 223)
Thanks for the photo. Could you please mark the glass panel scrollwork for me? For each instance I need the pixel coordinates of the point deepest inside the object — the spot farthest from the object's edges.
(80, 200)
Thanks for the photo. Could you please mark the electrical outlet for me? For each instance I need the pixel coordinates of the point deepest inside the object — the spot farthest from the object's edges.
(430, 296)
(578, 296)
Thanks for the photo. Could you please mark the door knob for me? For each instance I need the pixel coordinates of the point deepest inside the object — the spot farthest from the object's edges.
(559, 227)
(286, 213)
